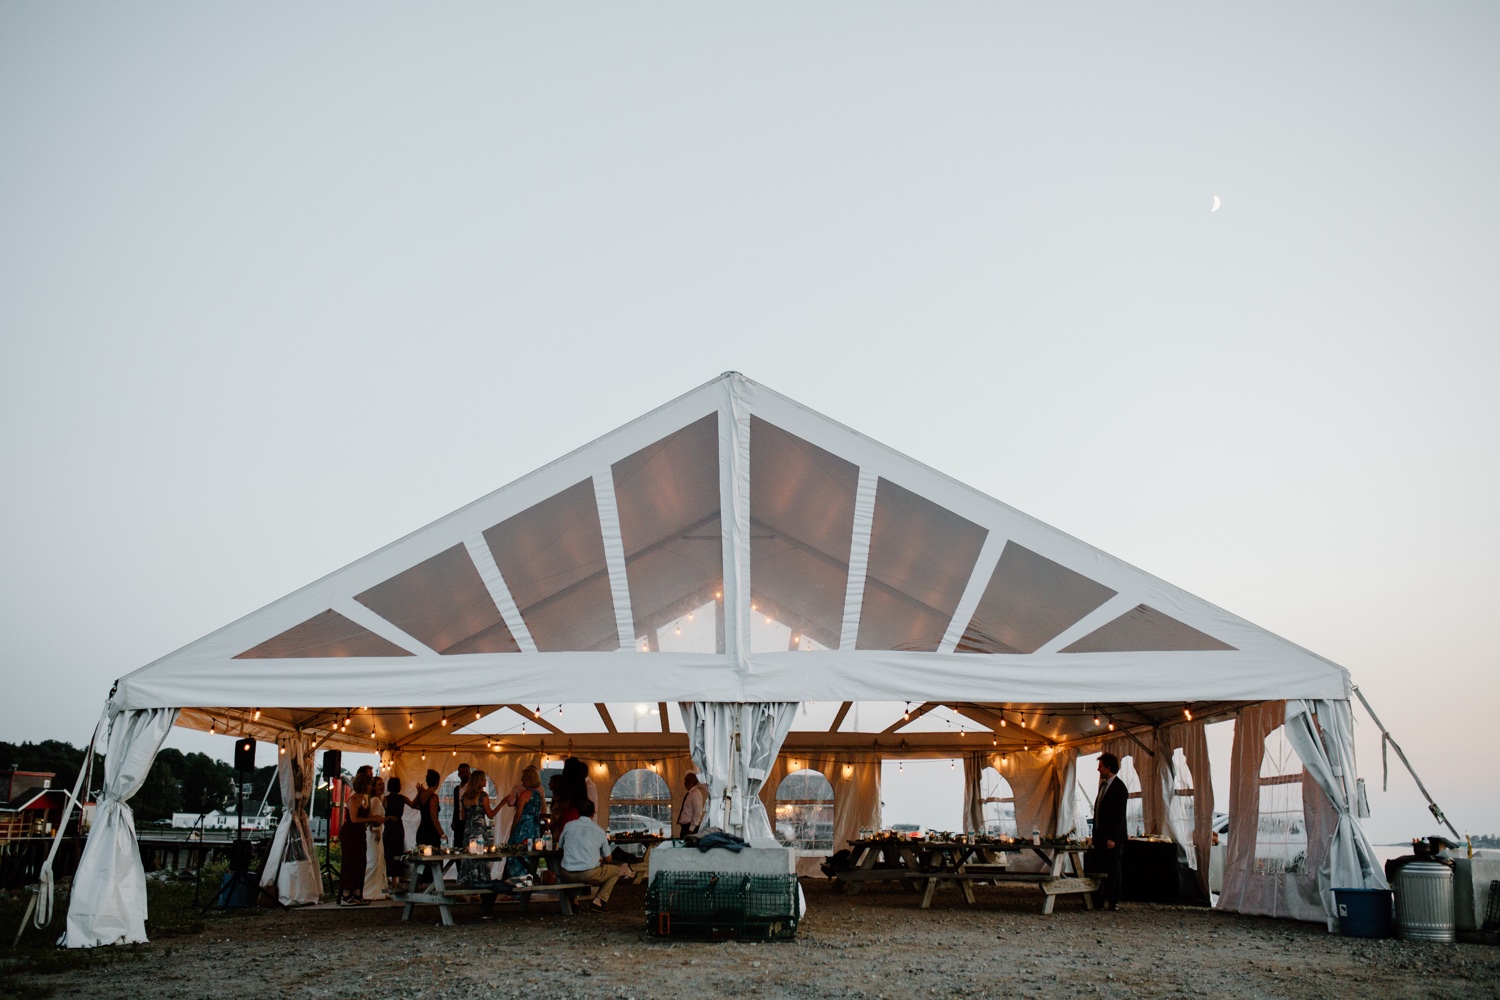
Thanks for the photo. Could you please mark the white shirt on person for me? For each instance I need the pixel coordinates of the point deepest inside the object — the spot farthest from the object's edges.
(691, 813)
(584, 845)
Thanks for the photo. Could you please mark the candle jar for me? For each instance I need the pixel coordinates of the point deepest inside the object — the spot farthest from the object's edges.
(426, 850)
(539, 845)
(473, 847)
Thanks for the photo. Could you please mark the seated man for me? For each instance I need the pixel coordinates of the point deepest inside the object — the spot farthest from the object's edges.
(585, 853)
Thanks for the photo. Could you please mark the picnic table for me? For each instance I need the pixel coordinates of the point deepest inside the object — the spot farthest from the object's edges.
(927, 863)
(428, 868)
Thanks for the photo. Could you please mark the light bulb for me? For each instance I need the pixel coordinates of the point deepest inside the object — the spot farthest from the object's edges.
(1111, 727)
(283, 751)
(210, 727)
(538, 713)
(455, 753)
(995, 741)
(1188, 713)
(900, 765)
(950, 765)
(257, 715)
(476, 715)
(411, 723)
(424, 754)
(678, 630)
(1096, 720)
(1002, 722)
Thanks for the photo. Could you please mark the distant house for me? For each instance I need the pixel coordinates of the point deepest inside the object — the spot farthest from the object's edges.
(216, 820)
(31, 807)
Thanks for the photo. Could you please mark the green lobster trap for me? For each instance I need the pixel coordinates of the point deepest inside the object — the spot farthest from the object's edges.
(722, 905)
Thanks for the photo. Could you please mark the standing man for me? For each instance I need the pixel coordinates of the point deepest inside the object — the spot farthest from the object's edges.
(1109, 825)
(458, 841)
(690, 816)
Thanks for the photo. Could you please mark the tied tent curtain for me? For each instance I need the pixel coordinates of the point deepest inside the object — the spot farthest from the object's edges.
(108, 902)
(735, 745)
(292, 866)
(1322, 733)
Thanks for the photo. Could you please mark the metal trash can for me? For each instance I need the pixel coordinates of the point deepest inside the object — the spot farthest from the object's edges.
(1424, 902)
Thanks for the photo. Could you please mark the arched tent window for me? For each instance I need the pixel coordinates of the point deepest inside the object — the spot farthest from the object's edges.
(999, 803)
(804, 811)
(1281, 838)
(640, 802)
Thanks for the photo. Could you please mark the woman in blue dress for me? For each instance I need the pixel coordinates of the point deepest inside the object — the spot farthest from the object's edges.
(529, 804)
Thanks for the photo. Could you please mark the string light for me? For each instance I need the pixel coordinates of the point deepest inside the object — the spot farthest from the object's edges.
(1004, 758)
(348, 718)
(210, 727)
(994, 740)
(455, 753)
(283, 751)
(1111, 726)
(907, 714)
(477, 716)
(950, 765)
(1187, 713)
(1096, 720)
(900, 765)
(257, 715)
(424, 754)
(445, 718)
(1002, 720)
(538, 713)
(411, 723)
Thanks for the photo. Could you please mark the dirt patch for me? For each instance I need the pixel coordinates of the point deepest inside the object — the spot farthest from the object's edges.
(876, 944)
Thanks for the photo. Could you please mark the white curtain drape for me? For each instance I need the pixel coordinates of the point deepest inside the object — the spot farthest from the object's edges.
(735, 745)
(108, 902)
(292, 865)
(1171, 810)
(1322, 733)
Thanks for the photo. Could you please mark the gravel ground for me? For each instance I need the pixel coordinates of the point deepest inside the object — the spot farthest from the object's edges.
(876, 944)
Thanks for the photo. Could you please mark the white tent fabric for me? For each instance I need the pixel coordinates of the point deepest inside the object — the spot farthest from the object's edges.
(108, 902)
(292, 867)
(1323, 735)
(735, 747)
(536, 588)
(736, 553)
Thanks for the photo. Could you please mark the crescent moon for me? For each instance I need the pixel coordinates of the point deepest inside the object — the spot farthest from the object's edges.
(1216, 204)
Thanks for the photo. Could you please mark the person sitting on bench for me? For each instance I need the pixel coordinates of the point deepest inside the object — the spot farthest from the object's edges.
(585, 854)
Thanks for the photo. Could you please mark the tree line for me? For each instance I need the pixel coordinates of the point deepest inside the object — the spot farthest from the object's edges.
(177, 782)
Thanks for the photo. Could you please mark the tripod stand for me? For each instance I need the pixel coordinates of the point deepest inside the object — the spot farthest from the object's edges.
(330, 871)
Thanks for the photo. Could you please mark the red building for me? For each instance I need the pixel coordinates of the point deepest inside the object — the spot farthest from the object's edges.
(30, 806)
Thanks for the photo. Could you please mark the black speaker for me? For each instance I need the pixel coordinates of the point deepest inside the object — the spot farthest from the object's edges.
(241, 855)
(244, 754)
(333, 763)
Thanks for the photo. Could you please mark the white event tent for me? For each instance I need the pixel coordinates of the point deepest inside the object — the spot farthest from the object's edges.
(739, 554)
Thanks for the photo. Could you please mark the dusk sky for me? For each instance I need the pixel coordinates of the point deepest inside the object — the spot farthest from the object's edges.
(280, 283)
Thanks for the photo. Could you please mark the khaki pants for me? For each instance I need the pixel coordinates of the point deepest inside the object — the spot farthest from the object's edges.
(604, 876)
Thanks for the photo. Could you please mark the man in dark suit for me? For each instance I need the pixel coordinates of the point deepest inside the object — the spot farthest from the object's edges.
(1109, 826)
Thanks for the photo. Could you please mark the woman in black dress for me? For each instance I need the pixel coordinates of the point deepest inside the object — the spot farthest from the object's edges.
(353, 843)
(393, 837)
(426, 804)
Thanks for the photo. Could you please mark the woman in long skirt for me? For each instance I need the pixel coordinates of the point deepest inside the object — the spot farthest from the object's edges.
(376, 886)
(354, 843)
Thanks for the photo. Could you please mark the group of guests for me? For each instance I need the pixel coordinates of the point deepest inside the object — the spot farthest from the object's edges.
(372, 832)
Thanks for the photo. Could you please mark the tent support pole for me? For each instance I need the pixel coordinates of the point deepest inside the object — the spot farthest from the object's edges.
(1388, 738)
